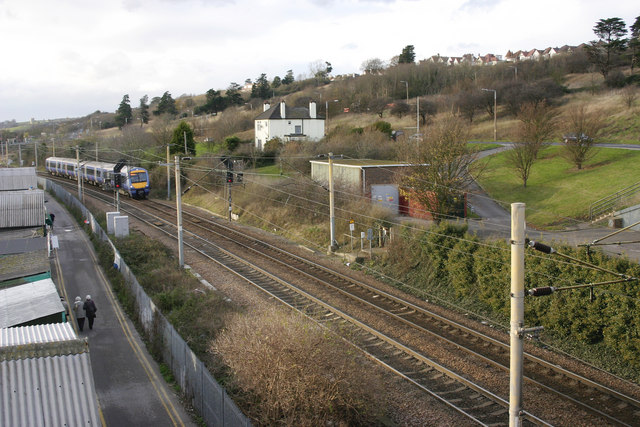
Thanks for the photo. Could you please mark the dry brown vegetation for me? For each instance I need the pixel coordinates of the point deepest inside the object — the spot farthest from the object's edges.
(294, 372)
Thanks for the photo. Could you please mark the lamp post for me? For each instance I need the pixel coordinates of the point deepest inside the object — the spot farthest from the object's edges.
(326, 119)
(407, 87)
(495, 112)
(515, 70)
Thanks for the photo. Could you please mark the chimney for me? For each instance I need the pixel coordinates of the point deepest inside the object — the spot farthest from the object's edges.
(265, 106)
(282, 110)
(312, 110)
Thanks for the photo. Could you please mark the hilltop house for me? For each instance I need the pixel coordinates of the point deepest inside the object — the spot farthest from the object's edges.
(288, 124)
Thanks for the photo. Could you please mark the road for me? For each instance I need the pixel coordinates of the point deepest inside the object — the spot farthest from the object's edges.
(130, 388)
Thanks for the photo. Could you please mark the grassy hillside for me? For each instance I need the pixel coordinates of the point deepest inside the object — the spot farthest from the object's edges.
(557, 193)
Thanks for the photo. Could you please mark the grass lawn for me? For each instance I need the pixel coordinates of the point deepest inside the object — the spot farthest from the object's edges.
(556, 191)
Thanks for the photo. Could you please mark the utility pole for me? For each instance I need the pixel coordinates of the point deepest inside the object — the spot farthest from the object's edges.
(78, 173)
(185, 143)
(333, 244)
(179, 213)
(517, 313)
(417, 115)
(35, 149)
(229, 182)
(96, 151)
(168, 175)
(19, 154)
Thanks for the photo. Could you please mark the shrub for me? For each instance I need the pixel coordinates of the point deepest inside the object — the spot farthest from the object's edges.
(382, 126)
(294, 372)
(615, 79)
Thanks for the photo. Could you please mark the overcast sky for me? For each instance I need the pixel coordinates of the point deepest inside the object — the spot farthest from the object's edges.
(68, 58)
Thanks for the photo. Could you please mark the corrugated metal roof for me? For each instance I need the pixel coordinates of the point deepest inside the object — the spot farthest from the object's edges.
(23, 208)
(23, 303)
(50, 385)
(48, 391)
(18, 179)
(37, 334)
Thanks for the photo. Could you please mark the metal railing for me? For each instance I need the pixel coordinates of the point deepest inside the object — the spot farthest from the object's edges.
(611, 202)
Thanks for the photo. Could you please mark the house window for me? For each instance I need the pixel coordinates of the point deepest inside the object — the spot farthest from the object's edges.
(298, 129)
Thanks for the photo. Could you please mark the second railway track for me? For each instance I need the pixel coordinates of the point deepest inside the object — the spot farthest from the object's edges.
(407, 327)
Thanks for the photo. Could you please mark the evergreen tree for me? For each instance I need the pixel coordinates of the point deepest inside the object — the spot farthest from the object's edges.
(144, 110)
(124, 112)
(634, 43)
(407, 56)
(182, 132)
(610, 43)
(288, 79)
(260, 88)
(233, 95)
(166, 105)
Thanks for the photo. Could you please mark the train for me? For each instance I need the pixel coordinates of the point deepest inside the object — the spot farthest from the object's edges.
(134, 180)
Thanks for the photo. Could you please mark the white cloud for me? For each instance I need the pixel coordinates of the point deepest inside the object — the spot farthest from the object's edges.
(71, 57)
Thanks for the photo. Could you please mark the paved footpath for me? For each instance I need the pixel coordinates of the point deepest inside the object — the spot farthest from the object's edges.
(130, 389)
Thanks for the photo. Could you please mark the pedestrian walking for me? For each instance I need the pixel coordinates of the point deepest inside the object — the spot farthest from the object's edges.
(78, 310)
(90, 310)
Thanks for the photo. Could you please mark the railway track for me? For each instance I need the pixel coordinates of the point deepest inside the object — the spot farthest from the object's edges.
(231, 249)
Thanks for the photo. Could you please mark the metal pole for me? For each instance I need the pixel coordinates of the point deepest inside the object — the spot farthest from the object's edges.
(332, 221)
(495, 115)
(185, 143)
(96, 151)
(418, 115)
(229, 194)
(35, 149)
(168, 175)
(326, 119)
(179, 213)
(517, 312)
(78, 172)
(19, 154)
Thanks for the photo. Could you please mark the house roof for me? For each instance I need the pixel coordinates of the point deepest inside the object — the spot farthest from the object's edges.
(363, 163)
(24, 303)
(273, 113)
(22, 208)
(18, 179)
(46, 377)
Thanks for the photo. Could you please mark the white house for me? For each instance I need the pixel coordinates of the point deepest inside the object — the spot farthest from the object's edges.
(288, 124)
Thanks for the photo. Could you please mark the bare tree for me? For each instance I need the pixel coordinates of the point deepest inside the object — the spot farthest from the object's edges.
(537, 124)
(582, 128)
(162, 130)
(443, 166)
(629, 95)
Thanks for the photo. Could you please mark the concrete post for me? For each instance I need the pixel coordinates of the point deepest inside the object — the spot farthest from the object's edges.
(517, 312)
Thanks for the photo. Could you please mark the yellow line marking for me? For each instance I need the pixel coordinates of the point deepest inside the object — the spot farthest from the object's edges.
(102, 420)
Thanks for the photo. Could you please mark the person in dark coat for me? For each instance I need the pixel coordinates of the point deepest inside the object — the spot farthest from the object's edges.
(90, 310)
(78, 310)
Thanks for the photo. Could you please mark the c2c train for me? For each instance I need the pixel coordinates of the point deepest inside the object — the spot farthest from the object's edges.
(134, 180)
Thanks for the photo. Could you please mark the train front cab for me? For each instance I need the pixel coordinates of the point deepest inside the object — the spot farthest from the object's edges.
(138, 181)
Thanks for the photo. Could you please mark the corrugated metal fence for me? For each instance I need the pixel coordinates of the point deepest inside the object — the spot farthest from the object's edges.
(207, 396)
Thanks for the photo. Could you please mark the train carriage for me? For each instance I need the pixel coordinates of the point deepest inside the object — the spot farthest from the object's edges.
(134, 181)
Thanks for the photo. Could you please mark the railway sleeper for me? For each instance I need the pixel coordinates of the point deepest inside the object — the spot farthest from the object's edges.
(454, 391)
